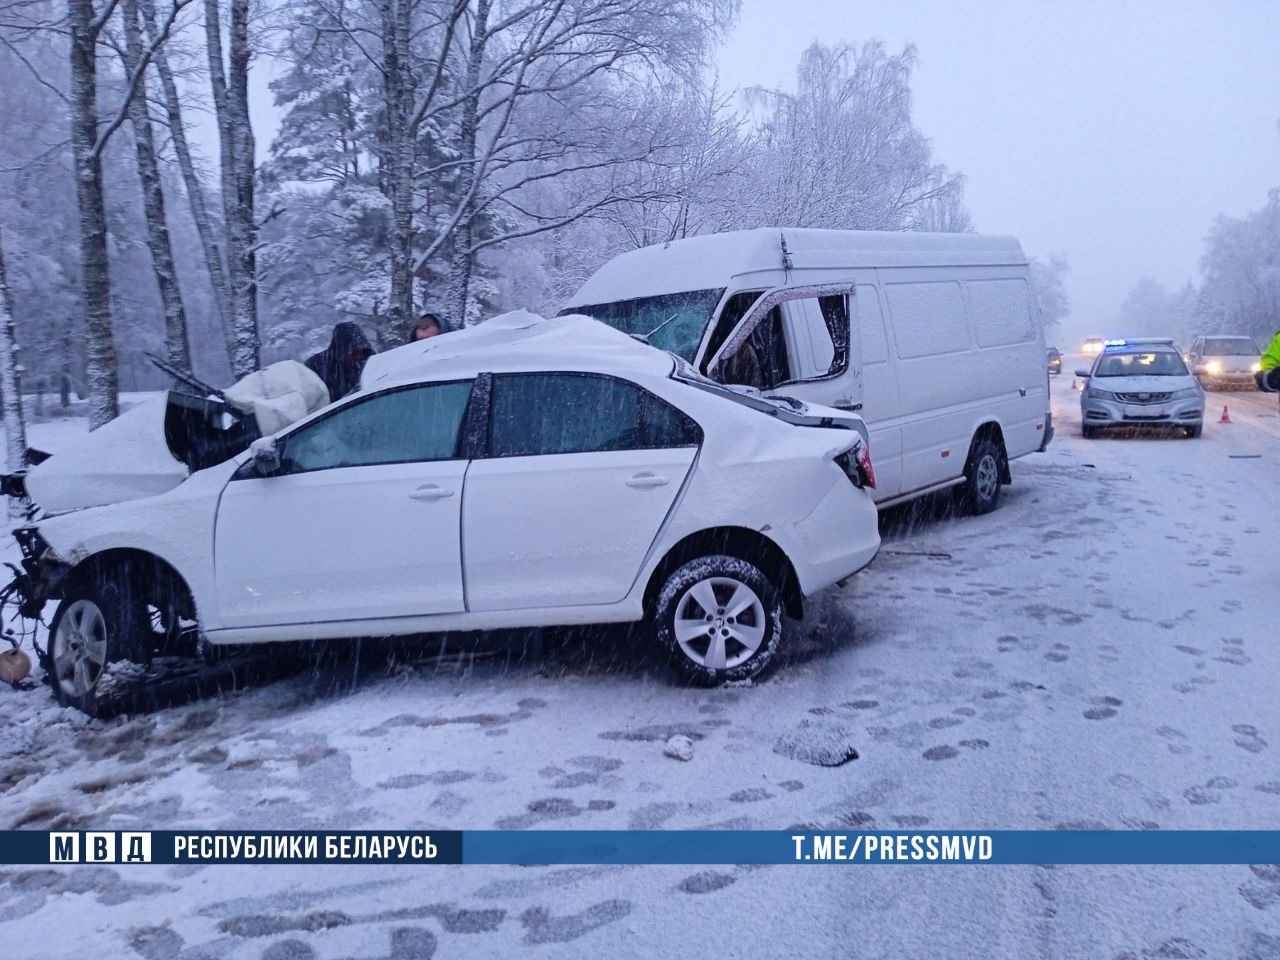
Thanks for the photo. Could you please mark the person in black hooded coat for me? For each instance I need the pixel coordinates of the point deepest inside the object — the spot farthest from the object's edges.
(340, 363)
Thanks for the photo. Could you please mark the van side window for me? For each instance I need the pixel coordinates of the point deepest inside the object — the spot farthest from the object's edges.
(1001, 311)
(812, 325)
(928, 318)
(871, 339)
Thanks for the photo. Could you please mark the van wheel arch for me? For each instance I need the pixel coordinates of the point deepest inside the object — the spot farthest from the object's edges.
(740, 542)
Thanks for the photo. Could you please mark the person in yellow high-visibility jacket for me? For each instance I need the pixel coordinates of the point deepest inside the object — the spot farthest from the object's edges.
(1268, 375)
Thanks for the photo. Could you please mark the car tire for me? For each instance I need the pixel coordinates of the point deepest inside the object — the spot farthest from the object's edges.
(99, 620)
(725, 593)
(980, 492)
(1193, 432)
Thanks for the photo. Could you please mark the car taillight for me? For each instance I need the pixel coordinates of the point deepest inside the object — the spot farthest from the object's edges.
(856, 464)
(868, 472)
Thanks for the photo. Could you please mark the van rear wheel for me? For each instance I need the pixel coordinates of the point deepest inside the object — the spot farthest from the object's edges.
(980, 492)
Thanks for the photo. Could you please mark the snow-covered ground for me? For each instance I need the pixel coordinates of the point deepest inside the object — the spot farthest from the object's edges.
(1099, 652)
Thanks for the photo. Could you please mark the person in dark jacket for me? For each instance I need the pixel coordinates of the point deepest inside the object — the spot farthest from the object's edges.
(340, 363)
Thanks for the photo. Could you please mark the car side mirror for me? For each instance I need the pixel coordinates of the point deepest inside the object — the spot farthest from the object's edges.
(266, 456)
(1083, 373)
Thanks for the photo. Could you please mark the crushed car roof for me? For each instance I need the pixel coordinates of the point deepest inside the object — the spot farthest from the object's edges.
(517, 341)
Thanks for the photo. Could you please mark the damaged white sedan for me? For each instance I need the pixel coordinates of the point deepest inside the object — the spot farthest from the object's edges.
(523, 473)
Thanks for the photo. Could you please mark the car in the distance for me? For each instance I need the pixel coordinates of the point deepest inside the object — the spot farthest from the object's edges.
(524, 473)
(1225, 360)
(1092, 346)
(1140, 383)
(1055, 360)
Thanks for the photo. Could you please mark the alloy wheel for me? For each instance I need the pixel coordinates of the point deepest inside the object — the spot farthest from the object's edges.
(987, 477)
(719, 623)
(79, 648)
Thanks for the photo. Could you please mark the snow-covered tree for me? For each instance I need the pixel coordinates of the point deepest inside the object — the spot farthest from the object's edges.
(841, 150)
(1241, 267)
(1048, 284)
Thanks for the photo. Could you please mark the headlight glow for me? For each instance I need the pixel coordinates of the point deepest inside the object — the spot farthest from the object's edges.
(1213, 367)
(1256, 368)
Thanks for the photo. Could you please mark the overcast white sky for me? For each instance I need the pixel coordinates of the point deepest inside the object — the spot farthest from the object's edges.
(1111, 131)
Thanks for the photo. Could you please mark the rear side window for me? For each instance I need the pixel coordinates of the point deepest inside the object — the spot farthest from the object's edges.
(553, 413)
(928, 318)
(1001, 312)
(415, 424)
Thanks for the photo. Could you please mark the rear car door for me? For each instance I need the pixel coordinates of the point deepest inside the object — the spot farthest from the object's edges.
(362, 520)
(581, 471)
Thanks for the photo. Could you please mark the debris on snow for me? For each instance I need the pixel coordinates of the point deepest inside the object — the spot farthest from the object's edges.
(822, 742)
(679, 747)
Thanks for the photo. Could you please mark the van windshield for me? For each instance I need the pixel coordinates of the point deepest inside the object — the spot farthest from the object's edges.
(673, 321)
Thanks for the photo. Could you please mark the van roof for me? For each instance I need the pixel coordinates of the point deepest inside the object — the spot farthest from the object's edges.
(518, 341)
(712, 261)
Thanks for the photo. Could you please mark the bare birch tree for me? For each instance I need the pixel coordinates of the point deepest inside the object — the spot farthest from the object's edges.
(205, 226)
(15, 425)
(85, 24)
(176, 339)
(230, 86)
(89, 139)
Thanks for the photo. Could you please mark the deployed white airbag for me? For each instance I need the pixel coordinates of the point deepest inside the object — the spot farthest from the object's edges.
(278, 395)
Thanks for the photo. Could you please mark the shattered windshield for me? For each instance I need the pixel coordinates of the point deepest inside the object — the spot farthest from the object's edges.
(673, 321)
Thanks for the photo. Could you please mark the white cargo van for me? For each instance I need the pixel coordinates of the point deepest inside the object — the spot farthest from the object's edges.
(934, 338)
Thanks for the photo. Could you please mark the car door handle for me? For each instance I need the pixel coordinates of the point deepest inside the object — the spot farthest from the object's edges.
(648, 480)
(430, 491)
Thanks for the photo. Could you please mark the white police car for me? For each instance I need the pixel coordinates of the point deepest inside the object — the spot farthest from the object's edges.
(1140, 383)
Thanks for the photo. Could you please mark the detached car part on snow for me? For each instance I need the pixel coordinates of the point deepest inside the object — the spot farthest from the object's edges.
(605, 481)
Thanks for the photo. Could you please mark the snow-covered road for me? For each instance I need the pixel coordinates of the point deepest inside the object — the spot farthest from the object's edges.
(1099, 652)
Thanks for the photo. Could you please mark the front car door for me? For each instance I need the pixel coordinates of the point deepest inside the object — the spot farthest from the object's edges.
(581, 471)
(360, 522)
